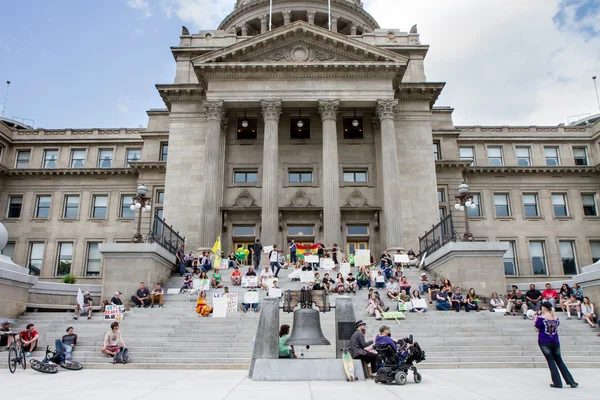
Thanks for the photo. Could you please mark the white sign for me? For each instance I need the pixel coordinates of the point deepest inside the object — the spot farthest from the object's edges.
(311, 259)
(114, 312)
(401, 258)
(196, 283)
(249, 281)
(232, 300)
(251, 297)
(422, 260)
(362, 258)
(219, 307)
(307, 276)
(270, 281)
(204, 284)
(275, 292)
(224, 264)
(267, 249)
(327, 263)
(173, 291)
(345, 269)
(380, 278)
(418, 303)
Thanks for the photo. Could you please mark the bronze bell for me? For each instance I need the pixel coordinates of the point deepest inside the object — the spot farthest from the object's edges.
(307, 328)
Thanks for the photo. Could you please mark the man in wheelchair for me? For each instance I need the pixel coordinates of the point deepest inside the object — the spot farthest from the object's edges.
(398, 357)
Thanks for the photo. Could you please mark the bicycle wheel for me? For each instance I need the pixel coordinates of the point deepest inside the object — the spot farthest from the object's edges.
(12, 360)
(42, 367)
(23, 359)
(71, 365)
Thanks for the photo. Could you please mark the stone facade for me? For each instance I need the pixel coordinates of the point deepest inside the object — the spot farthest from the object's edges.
(372, 185)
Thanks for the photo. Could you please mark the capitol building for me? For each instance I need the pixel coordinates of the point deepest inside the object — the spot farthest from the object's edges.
(302, 124)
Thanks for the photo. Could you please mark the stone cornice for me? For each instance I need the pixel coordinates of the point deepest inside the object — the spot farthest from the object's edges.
(451, 164)
(66, 171)
(80, 133)
(535, 169)
(180, 92)
(429, 91)
(527, 129)
(137, 165)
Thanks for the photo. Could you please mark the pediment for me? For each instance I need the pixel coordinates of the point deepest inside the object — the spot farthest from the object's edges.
(300, 43)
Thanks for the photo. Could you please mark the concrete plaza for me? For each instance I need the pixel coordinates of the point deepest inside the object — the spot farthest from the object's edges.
(125, 384)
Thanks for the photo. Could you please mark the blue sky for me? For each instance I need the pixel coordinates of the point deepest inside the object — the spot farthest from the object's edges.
(83, 64)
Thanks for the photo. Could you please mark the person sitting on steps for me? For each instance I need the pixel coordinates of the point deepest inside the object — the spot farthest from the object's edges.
(86, 307)
(215, 280)
(157, 295)
(442, 300)
(472, 302)
(142, 296)
(516, 302)
(573, 304)
(327, 283)
(373, 307)
(534, 298)
(202, 306)
(458, 301)
(236, 276)
(187, 283)
(358, 347)
(433, 290)
(496, 303)
(113, 342)
(67, 344)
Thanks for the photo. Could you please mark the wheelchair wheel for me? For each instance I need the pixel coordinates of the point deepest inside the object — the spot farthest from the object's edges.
(43, 367)
(71, 365)
(417, 376)
(12, 360)
(400, 378)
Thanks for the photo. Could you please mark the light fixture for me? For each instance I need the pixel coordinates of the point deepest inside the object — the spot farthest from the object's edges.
(138, 205)
(132, 207)
(468, 203)
(148, 208)
(245, 121)
(355, 122)
(142, 190)
(462, 208)
(473, 206)
(457, 206)
(300, 124)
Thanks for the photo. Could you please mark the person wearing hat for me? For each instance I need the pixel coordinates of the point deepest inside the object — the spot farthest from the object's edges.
(384, 337)
(85, 308)
(116, 300)
(5, 340)
(358, 344)
(424, 283)
(236, 276)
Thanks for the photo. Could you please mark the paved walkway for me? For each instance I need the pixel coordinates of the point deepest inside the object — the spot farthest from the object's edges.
(124, 384)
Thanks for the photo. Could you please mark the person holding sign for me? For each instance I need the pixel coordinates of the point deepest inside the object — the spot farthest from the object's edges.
(264, 275)
(216, 279)
(202, 306)
(85, 307)
(416, 303)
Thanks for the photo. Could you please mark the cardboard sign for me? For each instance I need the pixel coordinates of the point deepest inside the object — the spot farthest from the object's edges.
(499, 310)
(204, 284)
(311, 259)
(380, 278)
(401, 258)
(219, 307)
(307, 276)
(418, 303)
(224, 264)
(275, 292)
(195, 283)
(232, 300)
(362, 258)
(267, 249)
(249, 281)
(327, 264)
(172, 291)
(114, 313)
(251, 297)
(269, 282)
(402, 306)
(345, 269)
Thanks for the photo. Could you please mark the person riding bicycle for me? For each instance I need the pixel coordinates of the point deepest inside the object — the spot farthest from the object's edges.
(67, 344)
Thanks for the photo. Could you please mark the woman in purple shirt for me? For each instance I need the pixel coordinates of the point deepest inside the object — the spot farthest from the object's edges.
(547, 327)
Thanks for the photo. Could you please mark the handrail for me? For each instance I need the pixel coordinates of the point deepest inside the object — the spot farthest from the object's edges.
(438, 236)
(165, 235)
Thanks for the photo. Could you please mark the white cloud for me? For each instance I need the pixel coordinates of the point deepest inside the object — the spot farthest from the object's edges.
(137, 33)
(124, 104)
(141, 5)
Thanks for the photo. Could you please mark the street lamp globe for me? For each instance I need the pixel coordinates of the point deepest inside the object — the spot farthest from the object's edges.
(457, 206)
(142, 190)
(468, 203)
(473, 205)
(138, 205)
(147, 208)
(462, 208)
(463, 189)
(132, 207)
(3, 236)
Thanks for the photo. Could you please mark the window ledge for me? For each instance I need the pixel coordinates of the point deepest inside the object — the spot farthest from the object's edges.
(68, 219)
(12, 220)
(240, 184)
(126, 219)
(92, 219)
(477, 218)
(509, 218)
(40, 219)
(567, 218)
(302, 184)
(533, 218)
(591, 218)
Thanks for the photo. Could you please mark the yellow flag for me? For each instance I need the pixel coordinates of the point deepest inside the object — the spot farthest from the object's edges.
(216, 249)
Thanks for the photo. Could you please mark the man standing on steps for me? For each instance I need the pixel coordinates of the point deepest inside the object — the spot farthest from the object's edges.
(180, 255)
(293, 250)
(256, 250)
(358, 345)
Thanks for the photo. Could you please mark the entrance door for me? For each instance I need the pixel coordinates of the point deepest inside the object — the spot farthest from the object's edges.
(245, 245)
(353, 246)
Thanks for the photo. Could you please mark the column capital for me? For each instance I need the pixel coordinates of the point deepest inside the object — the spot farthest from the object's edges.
(328, 109)
(385, 108)
(334, 18)
(310, 14)
(215, 109)
(271, 109)
(263, 18)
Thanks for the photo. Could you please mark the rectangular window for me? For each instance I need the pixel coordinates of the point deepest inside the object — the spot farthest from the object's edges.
(42, 206)
(305, 230)
(567, 254)
(250, 176)
(300, 177)
(50, 158)
(247, 130)
(160, 196)
(580, 156)
(551, 155)
(243, 230)
(299, 127)
(441, 196)
(65, 258)
(523, 156)
(94, 260)
(357, 230)
(501, 203)
(9, 250)
(77, 158)
(467, 154)
(589, 205)
(126, 203)
(15, 204)
(538, 258)
(510, 261)
(353, 127)
(357, 176)
(559, 204)
(442, 214)
(595, 249)
(164, 151)
(105, 158)
(36, 258)
(495, 156)
(436, 151)
(23, 158)
(476, 211)
(99, 206)
(159, 227)
(530, 204)
(133, 155)
(71, 206)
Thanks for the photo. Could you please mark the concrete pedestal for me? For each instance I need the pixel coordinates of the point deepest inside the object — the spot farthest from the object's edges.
(475, 265)
(304, 370)
(266, 341)
(345, 324)
(128, 264)
(15, 283)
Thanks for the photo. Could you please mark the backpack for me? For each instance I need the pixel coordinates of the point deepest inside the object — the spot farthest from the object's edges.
(122, 357)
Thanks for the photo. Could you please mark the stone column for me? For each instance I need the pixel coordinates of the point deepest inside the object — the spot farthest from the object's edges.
(209, 218)
(271, 110)
(353, 28)
(331, 175)
(244, 27)
(334, 21)
(390, 175)
(287, 16)
(310, 15)
(264, 20)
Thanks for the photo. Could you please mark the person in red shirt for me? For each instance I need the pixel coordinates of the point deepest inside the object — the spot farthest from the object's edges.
(550, 295)
(29, 337)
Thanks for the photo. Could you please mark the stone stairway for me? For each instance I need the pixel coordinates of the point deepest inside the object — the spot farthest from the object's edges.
(175, 337)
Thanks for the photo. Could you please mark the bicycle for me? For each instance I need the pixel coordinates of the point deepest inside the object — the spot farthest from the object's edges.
(16, 353)
(52, 360)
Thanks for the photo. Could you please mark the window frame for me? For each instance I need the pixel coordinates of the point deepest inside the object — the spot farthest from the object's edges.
(353, 235)
(125, 207)
(23, 151)
(585, 152)
(30, 253)
(479, 207)
(162, 155)
(437, 150)
(59, 256)
(101, 160)
(247, 133)
(45, 156)
(537, 205)
(519, 158)
(245, 171)
(127, 160)
(350, 132)
(545, 256)
(507, 205)
(573, 247)
(36, 209)
(94, 207)
(467, 159)
(4, 251)
(293, 120)
(591, 243)
(512, 246)
(501, 156)
(10, 197)
(158, 195)
(300, 172)
(546, 158)
(72, 159)
(301, 226)
(354, 172)
(87, 259)
(66, 206)
(234, 233)
(593, 196)
(565, 205)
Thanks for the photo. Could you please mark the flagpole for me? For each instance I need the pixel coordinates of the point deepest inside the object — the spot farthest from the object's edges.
(270, 13)
(329, 12)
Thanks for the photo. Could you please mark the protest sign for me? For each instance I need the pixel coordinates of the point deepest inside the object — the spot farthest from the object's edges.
(270, 281)
(275, 292)
(267, 249)
(419, 303)
(362, 258)
(307, 276)
(380, 278)
(173, 291)
(345, 269)
(249, 281)
(311, 259)
(232, 300)
(327, 263)
(251, 297)
(401, 258)
(204, 284)
(219, 307)
(114, 313)
(224, 264)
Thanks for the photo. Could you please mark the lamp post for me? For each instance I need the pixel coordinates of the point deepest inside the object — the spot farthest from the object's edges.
(464, 201)
(141, 203)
